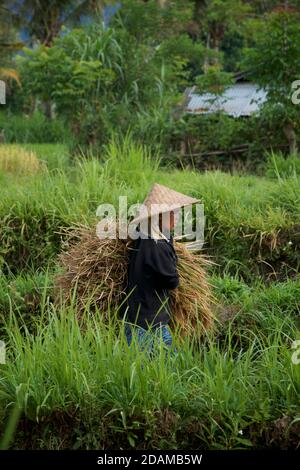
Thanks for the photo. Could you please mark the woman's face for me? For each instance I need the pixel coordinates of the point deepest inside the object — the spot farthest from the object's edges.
(170, 219)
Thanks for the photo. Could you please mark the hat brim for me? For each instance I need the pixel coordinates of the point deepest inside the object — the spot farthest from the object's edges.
(170, 208)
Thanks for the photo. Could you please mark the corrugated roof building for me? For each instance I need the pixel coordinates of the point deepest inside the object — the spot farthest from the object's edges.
(240, 99)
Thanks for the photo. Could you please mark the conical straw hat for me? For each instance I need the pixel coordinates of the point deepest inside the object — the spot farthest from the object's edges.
(162, 199)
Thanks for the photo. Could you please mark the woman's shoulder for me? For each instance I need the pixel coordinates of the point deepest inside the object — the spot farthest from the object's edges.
(165, 248)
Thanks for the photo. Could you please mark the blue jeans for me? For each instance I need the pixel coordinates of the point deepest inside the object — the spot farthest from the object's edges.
(147, 338)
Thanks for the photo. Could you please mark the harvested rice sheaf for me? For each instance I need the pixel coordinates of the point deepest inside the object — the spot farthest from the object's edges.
(192, 302)
(96, 270)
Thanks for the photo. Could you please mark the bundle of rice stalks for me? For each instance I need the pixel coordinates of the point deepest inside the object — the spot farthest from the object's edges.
(192, 302)
(95, 271)
(17, 160)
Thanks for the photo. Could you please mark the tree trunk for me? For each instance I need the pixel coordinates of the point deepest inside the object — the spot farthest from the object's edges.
(290, 134)
(217, 34)
(206, 59)
(47, 108)
(162, 3)
(98, 7)
(199, 10)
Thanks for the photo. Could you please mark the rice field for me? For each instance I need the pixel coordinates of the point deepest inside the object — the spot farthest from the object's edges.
(67, 387)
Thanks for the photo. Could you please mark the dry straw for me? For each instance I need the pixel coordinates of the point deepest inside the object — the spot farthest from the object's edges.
(17, 160)
(94, 271)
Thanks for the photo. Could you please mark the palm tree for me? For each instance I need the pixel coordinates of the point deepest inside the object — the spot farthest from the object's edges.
(8, 45)
(43, 20)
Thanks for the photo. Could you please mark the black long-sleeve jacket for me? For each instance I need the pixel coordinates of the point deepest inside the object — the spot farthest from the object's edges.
(152, 272)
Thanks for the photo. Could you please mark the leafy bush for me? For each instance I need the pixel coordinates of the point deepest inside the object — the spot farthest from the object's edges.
(205, 133)
(98, 79)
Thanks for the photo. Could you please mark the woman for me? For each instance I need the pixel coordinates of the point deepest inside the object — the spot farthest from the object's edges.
(152, 270)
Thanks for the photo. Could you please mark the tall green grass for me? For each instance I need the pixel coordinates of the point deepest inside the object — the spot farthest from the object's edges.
(248, 311)
(90, 376)
(252, 224)
(84, 388)
(279, 166)
(55, 156)
(33, 210)
(23, 295)
(34, 128)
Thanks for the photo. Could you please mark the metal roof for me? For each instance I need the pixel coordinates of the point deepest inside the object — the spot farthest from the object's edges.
(240, 99)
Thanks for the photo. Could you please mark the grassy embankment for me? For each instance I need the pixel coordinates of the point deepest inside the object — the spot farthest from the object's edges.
(240, 389)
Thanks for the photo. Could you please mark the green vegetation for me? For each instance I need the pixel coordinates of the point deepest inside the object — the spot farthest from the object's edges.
(34, 129)
(238, 390)
(82, 83)
(218, 397)
(280, 42)
(96, 110)
(252, 225)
